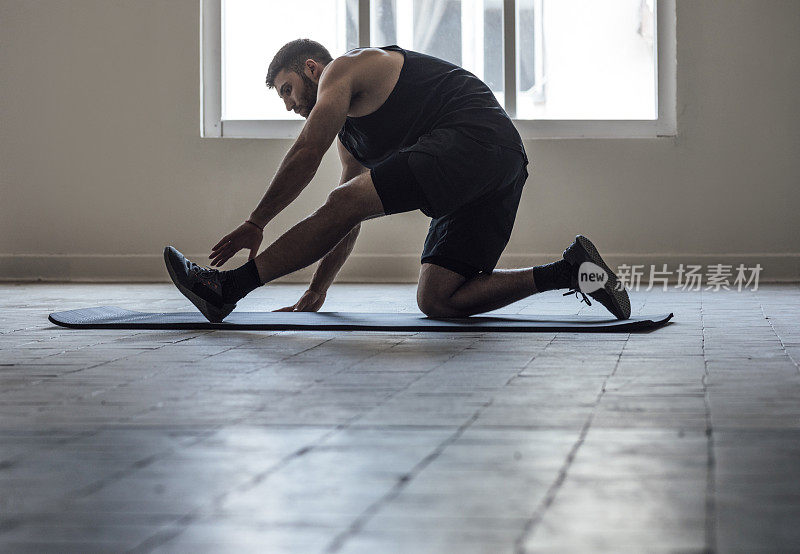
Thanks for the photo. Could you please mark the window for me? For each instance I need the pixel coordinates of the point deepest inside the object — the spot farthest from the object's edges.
(560, 68)
(254, 30)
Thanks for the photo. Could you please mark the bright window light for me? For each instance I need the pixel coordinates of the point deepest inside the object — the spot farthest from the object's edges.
(599, 60)
(574, 60)
(252, 33)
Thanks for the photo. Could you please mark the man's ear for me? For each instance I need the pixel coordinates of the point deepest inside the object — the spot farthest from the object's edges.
(311, 65)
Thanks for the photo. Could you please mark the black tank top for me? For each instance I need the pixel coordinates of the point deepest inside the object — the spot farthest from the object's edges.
(430, 94)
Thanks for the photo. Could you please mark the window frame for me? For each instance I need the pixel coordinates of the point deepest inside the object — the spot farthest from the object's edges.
(212, 125)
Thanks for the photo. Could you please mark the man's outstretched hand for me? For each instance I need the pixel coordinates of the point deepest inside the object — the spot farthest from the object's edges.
(246, 235)
(310, 302)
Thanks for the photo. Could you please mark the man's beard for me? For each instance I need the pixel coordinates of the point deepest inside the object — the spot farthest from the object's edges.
(309, 94)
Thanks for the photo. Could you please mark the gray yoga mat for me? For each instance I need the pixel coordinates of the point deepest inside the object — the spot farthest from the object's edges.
(110, 317)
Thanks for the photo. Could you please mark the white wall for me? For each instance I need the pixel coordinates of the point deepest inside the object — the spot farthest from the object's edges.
(101, 162)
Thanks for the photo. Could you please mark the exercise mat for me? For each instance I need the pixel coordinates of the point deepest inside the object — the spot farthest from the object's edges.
(110, 317)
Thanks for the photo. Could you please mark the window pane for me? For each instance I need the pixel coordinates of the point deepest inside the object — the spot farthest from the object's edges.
(584, 59)
(252, 33)
(576, 59)
(467, 33)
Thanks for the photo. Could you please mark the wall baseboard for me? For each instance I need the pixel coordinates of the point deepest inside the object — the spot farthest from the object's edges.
(368, 268)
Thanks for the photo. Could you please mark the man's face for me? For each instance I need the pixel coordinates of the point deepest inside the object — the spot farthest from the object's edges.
(299, 91)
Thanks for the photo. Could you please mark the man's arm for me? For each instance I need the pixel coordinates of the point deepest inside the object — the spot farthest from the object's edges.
(333, 261)
(313, 299)
(302, 161)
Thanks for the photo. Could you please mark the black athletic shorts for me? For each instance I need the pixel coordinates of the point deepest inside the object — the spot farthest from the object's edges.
(471, 191)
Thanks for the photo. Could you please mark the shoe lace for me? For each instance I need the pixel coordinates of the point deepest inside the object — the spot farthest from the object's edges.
(577, 292)
(204, 272)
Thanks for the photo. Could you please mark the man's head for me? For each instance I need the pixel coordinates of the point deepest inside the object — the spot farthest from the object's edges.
(295, 72)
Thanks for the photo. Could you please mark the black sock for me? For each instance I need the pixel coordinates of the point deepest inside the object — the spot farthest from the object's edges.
(552, 276)
(238, 283)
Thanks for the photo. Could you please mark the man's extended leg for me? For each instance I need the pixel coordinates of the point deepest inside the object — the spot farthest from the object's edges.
(215, 292)
(313, 237)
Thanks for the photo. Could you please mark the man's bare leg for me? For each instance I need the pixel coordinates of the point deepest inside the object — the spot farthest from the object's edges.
(313, 237)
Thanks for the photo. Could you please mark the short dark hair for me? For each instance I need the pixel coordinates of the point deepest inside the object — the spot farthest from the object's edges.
(293, 56)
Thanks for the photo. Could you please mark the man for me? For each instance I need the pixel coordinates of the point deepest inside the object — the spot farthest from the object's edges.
(414, 132)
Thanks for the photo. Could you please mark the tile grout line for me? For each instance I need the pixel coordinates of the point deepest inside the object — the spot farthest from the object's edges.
(339, 540)
(783, 345)
(95, 366)
(529, 362)
(552, 491)
(710, 494)
(373, 508)
(194, 394)
(177, 527)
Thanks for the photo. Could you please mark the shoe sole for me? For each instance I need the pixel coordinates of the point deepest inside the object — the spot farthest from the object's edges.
(619, 297)
(211, 312)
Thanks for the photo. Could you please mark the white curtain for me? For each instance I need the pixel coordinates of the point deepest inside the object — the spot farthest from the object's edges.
(427, 17)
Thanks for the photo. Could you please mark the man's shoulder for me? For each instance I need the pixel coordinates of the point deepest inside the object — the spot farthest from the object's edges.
(369, 74)
(369, 61)
(346, 68)
(364, 54)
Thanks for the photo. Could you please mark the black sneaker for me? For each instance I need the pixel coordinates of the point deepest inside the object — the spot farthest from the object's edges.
(201, 285)
(612, 295)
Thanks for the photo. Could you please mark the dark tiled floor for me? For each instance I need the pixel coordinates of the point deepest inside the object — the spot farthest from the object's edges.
(684, 439)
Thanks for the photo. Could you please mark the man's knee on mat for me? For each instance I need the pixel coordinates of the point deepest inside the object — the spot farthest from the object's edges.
(436, 286)
(436, 309)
